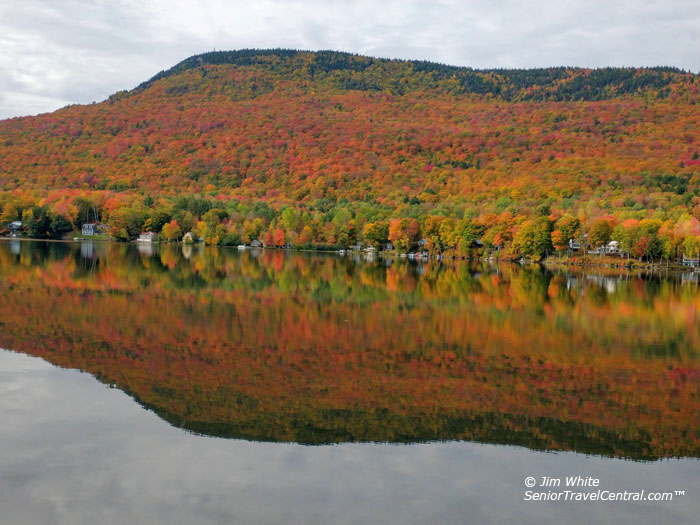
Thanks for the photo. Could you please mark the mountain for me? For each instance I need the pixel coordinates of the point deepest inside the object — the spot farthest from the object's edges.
(342, 141)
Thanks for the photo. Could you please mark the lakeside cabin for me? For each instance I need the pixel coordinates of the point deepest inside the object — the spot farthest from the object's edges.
(612, 248)
(146, 237)
(89, 228)
(690, 261)
(255, 243)
(15, 228)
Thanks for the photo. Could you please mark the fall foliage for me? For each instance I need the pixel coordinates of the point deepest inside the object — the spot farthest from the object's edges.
(330, 148)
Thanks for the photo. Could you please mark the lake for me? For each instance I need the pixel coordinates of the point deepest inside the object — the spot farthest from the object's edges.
(184, 384)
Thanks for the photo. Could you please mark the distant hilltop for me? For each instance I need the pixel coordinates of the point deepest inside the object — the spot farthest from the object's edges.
(351, 71)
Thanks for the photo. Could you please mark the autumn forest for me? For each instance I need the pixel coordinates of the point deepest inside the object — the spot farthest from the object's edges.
(325, 149)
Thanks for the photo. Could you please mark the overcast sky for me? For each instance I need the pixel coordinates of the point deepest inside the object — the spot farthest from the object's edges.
(59, 52)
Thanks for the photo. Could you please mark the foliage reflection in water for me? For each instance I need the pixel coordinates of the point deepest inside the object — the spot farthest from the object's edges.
(269, 345)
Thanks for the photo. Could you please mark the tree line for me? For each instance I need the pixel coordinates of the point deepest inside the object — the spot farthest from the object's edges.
(542, 232)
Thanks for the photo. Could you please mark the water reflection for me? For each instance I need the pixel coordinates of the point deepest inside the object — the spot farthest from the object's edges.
(75, 452)
(280, 346)
(87, 250)
(146, 248)
(15, 247)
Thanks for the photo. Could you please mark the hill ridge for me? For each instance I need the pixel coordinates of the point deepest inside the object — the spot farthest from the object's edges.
(558, 83)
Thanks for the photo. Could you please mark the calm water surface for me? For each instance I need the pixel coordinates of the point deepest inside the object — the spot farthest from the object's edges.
(186, 385)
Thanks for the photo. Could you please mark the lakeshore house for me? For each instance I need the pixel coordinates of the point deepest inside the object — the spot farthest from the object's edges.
(15, 228)
(690, 261)
(89, 228)
(612, 248)
(146, 237)
(255, 243)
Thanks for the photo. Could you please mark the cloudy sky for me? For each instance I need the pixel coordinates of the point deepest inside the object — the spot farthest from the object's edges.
(59, 52)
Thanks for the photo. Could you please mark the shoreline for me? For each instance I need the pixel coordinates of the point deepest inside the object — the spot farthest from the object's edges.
(573, 263)
(615, 263)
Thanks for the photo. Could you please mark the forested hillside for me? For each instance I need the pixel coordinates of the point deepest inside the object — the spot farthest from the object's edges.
(331, 149)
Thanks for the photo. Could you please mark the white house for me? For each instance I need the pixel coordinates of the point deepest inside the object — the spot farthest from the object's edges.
(146, 237)
(89, 228)
(15, 228)
(613, 247)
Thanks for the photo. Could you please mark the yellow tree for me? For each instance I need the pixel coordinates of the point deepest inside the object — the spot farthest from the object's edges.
(172, 231)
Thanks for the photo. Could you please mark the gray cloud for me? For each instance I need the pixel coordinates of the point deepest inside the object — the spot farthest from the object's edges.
(75, 51)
